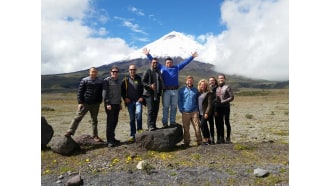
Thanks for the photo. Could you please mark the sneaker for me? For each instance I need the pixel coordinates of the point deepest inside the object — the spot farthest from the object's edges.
(131, 139)
(140, 131)
(151, 129)
(110, 145)
(97, 139)
(68, 134)
(205, 143)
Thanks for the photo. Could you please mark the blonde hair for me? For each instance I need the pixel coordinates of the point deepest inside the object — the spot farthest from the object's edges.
(206, 84)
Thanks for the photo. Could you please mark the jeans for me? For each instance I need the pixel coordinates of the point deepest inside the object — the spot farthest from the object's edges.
(135, 113)
(170, 102)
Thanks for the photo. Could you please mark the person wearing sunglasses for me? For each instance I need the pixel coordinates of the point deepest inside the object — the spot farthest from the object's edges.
(112, 103)
(131, 92)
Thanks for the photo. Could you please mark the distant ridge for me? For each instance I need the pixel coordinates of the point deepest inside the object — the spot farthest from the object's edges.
(68, 82)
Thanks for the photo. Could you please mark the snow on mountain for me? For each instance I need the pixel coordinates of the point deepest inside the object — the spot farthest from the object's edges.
(173, 44)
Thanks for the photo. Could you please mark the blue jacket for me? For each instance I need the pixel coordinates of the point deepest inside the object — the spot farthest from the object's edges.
(171, 75)
(188, 99)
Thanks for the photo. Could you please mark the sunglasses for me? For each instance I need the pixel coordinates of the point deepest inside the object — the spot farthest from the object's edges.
(114, 71)
(132, 69)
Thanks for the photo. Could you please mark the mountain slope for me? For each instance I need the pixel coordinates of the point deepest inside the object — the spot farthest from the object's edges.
(173, 44)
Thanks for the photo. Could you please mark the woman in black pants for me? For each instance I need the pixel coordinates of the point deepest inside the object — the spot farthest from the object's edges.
(213, 84)
(224, 95)
(205, 108)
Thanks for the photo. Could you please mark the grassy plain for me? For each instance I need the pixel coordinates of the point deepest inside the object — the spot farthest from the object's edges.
(260, 136)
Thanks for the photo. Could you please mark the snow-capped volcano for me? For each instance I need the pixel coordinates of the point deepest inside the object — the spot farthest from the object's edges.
(172, 44)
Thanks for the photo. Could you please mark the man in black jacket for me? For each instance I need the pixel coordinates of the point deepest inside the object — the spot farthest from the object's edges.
(89, 99)
(153, 86)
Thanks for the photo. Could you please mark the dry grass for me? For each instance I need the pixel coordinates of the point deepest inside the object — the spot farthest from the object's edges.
(259, 141)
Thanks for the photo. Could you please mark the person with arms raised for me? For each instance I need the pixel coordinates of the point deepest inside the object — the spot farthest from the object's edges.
(170, 74)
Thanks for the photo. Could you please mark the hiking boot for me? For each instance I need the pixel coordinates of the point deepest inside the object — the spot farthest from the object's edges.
(116, 142)
(174, 124)
(140, 131)
(68, 134)
(228, 141)
(97, 139)
(220, 140)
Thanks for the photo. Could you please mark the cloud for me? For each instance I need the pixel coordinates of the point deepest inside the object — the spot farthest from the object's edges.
(66, 43)
(136, 11)
(256, 42)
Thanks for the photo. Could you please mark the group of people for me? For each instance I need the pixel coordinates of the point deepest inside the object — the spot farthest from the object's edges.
(201, 106)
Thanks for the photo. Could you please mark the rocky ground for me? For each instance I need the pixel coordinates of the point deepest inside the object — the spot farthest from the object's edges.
(260, 140)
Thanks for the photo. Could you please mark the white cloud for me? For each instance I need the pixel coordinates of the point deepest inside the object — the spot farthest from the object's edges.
(136, 11)
(256, 43)
(66, 45)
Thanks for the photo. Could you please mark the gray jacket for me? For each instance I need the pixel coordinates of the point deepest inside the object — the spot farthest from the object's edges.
(111, 91)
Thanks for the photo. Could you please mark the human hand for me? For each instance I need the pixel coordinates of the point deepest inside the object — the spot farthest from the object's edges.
(195, 54)
(146, 51)
(109, 107)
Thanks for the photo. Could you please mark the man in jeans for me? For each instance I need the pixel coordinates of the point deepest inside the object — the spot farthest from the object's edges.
(170, 74)
(131, 92)
(89, 99)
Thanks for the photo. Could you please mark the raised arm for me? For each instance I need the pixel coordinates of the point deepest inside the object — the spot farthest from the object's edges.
(187, 61)
(145, 51)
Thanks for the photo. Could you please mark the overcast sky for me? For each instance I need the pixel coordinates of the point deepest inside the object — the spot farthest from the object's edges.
(246, 37)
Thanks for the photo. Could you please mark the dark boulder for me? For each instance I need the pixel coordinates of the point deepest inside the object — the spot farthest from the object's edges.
(163, 139)
(47, 133)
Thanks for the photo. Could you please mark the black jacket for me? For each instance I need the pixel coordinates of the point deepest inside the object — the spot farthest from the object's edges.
(147, 81)
(137, 88)
(90, 91)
